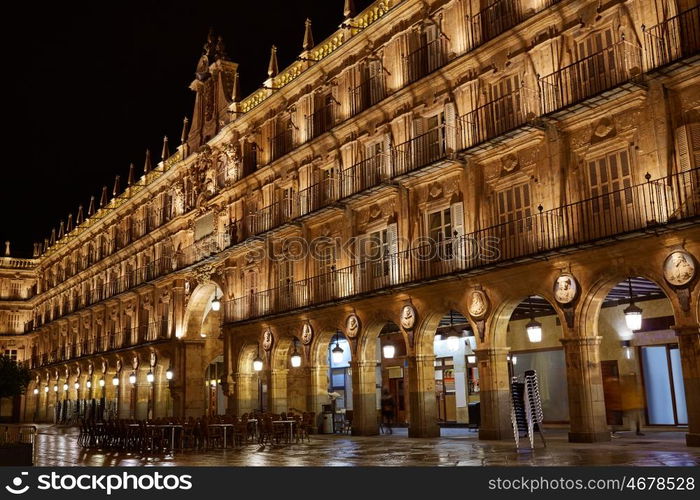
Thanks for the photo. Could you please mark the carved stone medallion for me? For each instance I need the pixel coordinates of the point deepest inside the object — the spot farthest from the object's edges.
(408, 317)
(352, 326)
(307, 334)
(565, 289)
(478, 304)
(679, 268)
(267, 340)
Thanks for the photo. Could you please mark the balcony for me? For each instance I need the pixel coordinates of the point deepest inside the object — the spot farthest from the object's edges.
(364, 175)
(281, 144)
(321, 120)
(672, 40)
(420, 151)
(495, 19)
(498, 116)
(424, 60)
(637, 209)
(617, 64)
(318, 196)
(127, 337)
(367, 94)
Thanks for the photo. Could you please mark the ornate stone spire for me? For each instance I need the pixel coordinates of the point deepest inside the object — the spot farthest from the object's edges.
(273, 68)
(349, 9)
(91, 206)
(185, 124)
(61, 230)
(115, 189)
(37, 250)
(147, 167)
(103, 199)
(308, 36)
(165, 153)
(46, 245)
(80, 217)
(130, 178)
(236, 94)
(69, 226)
(7, 249)
(220, 49)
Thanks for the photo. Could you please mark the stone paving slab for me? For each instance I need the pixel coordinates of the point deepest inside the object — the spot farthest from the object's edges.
(57, 446)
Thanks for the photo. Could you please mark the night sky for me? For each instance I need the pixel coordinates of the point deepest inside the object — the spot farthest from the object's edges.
(93, 85)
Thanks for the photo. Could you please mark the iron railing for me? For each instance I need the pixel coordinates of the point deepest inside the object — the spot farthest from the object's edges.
(321, 120)
(367, 94)
(673, 39)
(427, 58)
(365, 174)
(619, 63)
(495, 19)
(497, 117)
(420, 151)
(640, 208)
(281, 144)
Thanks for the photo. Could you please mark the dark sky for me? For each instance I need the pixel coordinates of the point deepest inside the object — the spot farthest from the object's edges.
(93, 84)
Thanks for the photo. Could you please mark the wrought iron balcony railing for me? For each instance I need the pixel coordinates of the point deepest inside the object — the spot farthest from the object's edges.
(123, 338)
(367, 94)
(640, 208)
(617, 64)
(420, 151)
(424, 60)
(673, 39)
(281, 144)
(321, 120)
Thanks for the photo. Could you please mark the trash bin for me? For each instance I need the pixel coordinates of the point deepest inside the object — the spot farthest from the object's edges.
(327, 423)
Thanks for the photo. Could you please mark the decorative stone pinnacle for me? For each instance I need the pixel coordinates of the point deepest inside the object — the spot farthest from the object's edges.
(349, 9)
(308, 36)
(147, 162)
(165, 153)
(273, 68)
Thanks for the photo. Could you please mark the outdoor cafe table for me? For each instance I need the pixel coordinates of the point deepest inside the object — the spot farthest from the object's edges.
(172, 428)
(291, 426)
(224, 427)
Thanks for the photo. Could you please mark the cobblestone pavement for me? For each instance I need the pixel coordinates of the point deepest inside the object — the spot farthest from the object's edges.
(57, 446)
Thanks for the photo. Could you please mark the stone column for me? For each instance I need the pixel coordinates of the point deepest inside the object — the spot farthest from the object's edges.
(494, 395)
(588, 423)
(177, 327)
(277, 390)
(245, 392)
(193, 383)
(365, 421)
(422, 402)
(689, 345)
(317, 388)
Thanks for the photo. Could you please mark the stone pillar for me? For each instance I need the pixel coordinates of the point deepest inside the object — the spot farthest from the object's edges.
(317, 388)
(193, 383)
(365, 421)
(297, 386)
(494, 395)
(177, 327)
(246, 392)
(588, 423)
(277, 390)
(422, 402)
(689, 346)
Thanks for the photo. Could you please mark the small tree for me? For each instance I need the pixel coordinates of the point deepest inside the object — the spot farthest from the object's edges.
(14, 378)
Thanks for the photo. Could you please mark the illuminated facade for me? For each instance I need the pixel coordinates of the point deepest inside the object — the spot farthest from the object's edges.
(444, 166)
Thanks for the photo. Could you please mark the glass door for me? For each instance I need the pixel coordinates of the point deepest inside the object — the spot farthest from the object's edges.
(663, 385)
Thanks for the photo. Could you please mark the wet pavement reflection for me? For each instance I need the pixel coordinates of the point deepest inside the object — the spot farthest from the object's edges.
(57, 446)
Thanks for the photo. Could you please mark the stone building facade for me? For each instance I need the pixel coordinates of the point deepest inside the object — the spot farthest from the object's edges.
(429, 156)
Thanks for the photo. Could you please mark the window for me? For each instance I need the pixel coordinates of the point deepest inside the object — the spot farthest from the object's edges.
(688, 146)
(378, 252)
(440, 232)
(505, 105)
(11, 353)
(514, 209)
(597, 63)
(607, 176)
